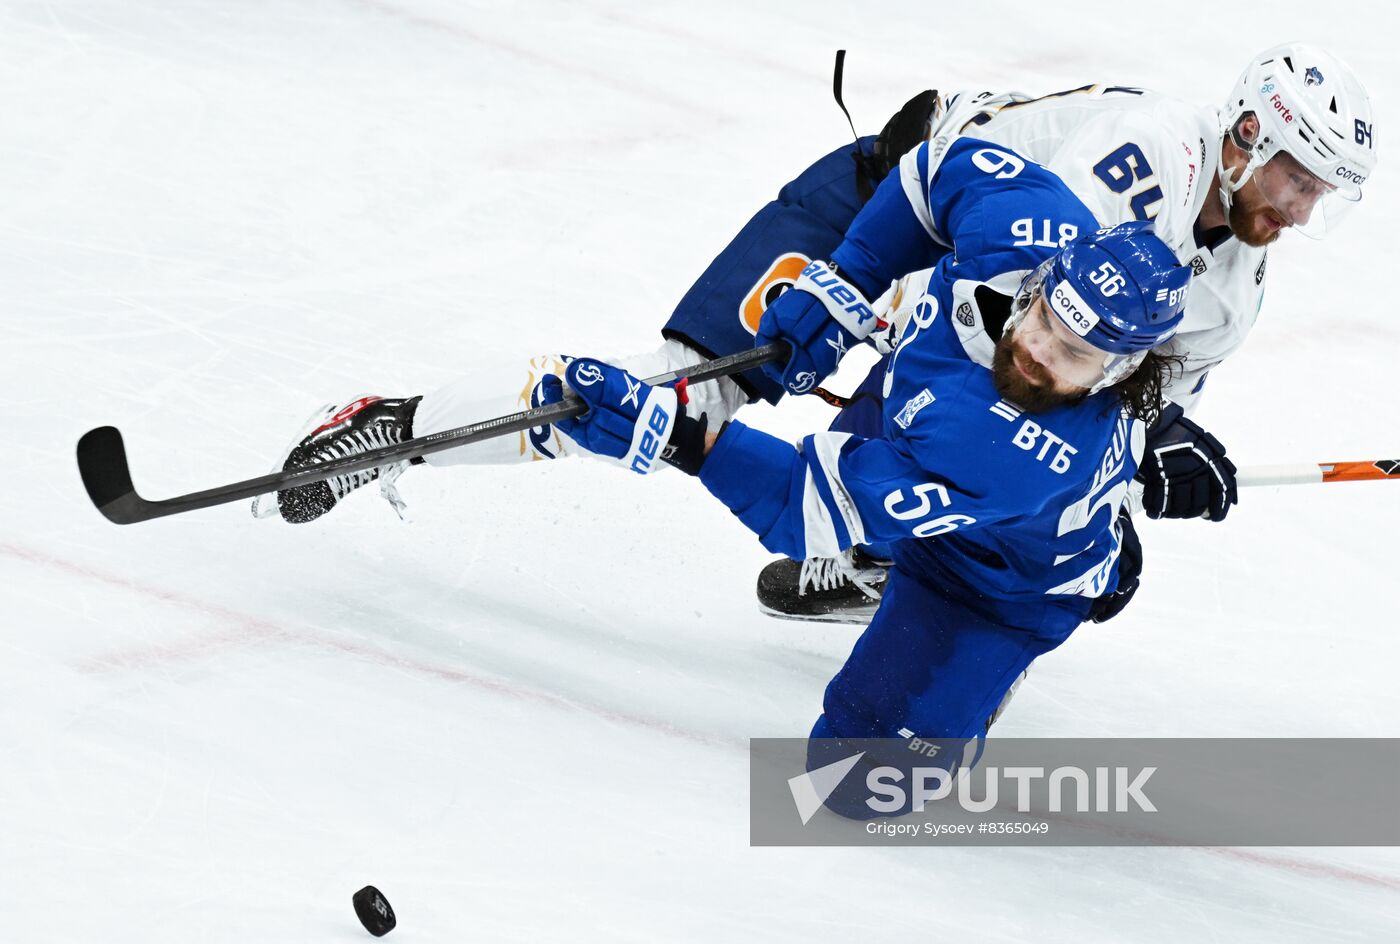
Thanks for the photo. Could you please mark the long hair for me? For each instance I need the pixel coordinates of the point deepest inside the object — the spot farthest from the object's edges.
(1141, 391)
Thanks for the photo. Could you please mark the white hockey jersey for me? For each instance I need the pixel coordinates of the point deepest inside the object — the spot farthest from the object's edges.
(1133, 154)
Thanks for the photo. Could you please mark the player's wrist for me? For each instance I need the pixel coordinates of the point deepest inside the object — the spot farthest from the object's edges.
(689, 443)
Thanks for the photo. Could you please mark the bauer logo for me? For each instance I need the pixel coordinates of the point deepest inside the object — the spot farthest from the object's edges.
(844, 298)
(653, 437)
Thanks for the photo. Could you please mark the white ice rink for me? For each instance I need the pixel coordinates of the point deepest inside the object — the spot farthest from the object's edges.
(523, 714)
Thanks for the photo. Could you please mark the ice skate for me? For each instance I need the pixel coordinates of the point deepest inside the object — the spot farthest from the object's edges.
(356, 428)
(843, 589)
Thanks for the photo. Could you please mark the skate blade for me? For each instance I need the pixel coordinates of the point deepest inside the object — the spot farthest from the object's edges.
(265, 506)
(860, 616)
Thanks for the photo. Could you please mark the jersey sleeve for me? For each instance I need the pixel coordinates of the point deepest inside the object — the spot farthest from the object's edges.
(981, 200)
(835, 490)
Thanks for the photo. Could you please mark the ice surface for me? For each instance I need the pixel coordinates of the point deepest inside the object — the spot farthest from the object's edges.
(523, 714)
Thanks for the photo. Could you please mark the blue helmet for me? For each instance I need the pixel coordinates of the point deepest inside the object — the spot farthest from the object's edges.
(1120, 289)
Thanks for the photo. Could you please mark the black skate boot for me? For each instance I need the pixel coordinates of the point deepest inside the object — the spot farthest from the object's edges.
(844, 589)
(352, 430)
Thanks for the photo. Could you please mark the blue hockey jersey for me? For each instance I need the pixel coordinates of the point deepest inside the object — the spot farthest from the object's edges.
(1012, 513)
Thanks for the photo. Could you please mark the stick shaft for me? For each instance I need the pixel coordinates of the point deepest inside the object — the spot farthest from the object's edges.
(107, 477)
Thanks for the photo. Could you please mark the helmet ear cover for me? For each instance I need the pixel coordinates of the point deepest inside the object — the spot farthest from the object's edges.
(1237, 137)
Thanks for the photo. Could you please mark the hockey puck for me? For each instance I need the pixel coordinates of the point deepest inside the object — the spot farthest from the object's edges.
(373, 910)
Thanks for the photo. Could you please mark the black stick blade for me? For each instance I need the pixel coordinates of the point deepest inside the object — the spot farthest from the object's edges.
(102, 464)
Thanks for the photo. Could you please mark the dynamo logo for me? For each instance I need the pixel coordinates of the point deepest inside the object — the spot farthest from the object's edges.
(803, 382)
(1312, 76)
(588, 374)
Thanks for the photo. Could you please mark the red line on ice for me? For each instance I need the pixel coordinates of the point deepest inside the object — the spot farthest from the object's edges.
(243, 627)
(247, 627)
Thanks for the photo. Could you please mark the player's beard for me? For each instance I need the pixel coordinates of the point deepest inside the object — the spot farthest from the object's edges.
(1250, 214)
(1036, 395)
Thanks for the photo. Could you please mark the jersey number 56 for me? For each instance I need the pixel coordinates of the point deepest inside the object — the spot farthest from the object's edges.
(918, 506)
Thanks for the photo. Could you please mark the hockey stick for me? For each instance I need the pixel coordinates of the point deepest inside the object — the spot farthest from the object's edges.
(1302, 473)
(1309, 474)
(107, 477)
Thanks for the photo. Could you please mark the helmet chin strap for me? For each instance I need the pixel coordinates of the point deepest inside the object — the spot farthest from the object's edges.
(1229, 186)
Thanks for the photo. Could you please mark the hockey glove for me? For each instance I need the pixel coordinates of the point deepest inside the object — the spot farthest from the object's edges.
(627, 419)
(1129, 572)
(1184, 471)
(819, 318)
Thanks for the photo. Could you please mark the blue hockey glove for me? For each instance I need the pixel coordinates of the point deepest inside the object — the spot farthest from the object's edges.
(1129, 573)
(819, 318)
(627, 419)
(1184, 471)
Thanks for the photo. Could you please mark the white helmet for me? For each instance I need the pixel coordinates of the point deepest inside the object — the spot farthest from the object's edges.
(1314, 148)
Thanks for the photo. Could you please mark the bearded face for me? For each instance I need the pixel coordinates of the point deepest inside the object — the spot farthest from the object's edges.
(1018, 371)
(1278, 194)
(1253, 220)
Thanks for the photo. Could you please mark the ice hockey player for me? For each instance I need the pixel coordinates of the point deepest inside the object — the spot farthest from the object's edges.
(1002, 465)
(1291, 148)
(1127, 153)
